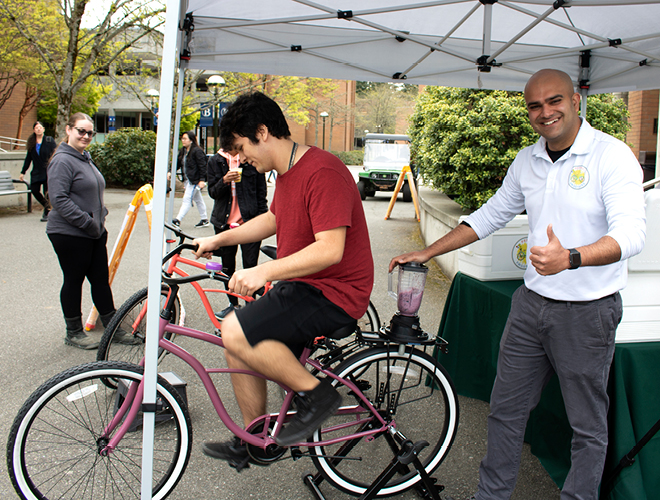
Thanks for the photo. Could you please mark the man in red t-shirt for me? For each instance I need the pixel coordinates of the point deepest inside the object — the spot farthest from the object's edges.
(324, 270)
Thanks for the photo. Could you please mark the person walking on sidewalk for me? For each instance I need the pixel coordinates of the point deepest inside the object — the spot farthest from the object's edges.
(240, 194)
(40, 148)
(582, 190)
(192, 162)
(76, 229)
(324, 270)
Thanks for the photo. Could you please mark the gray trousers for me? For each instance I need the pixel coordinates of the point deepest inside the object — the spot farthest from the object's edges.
(541, 337)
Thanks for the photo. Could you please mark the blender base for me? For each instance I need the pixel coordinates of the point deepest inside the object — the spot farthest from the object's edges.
(404, 330)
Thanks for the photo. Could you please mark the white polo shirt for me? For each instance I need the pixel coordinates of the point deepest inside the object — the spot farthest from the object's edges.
(594, 190)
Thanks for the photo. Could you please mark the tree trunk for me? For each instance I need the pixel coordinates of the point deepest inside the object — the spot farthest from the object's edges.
(64, 101)
(30, 102)
(332, 121)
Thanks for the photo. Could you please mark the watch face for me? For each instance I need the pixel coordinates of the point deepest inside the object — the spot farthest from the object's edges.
(574, 258)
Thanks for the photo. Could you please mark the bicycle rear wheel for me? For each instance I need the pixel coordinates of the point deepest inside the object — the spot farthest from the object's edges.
(55, 441)
(425, 406)
(131, 317)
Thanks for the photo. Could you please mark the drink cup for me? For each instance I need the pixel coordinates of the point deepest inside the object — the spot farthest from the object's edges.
(240, 174)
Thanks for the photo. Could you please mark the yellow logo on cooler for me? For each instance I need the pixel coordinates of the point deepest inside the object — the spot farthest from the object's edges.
(519, 253)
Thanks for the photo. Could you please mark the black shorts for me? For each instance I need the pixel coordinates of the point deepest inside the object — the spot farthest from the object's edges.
(292, 312)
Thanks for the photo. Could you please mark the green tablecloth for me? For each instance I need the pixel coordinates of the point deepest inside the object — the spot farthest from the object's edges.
(473, 320)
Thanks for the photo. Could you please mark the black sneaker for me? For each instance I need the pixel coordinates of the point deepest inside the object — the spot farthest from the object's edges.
(203, 223)
(225, 312)
(313, 408)
(234, 452)
(176, 222)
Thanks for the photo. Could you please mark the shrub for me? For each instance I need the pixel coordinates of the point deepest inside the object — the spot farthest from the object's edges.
(126, 157)
(350, 157)
(464, 140)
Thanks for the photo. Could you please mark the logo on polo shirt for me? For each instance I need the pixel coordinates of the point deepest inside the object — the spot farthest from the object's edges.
(519, 253)
(579, 177)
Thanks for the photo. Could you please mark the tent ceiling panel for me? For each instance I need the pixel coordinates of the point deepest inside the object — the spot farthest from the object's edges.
(433, 42)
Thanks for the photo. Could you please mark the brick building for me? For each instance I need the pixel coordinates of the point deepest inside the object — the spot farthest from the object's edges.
(643, 133)
(10, 117)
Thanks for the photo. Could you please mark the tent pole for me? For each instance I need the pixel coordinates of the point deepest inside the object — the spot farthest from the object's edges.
(657, 145)
(583, 103)
(488, 28)
(156, 244)
(175, 141)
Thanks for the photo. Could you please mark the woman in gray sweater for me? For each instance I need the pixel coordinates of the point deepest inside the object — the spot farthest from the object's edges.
(76, 228)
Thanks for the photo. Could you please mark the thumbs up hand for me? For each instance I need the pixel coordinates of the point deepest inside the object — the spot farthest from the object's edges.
(550, 259)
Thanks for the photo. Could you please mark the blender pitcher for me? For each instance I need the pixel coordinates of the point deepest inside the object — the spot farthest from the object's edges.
(410, 288)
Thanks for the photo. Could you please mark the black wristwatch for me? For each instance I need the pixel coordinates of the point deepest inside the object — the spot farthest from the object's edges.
(574, 258)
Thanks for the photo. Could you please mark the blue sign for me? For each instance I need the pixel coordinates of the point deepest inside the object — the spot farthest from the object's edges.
(111, 124)
(223, 109)
(206, 113)
(155, 117)
(206, 117)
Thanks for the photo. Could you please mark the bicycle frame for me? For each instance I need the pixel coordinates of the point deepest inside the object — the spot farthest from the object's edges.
(173, 268)
(135, 395)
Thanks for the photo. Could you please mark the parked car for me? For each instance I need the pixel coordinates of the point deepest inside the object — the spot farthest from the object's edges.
(385, 155)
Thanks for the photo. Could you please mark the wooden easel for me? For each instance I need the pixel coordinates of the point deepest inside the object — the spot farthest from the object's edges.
(406, 173)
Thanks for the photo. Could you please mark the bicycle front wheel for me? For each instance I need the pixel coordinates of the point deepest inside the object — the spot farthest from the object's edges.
(55, 443)
(131, 317)
(409, 387)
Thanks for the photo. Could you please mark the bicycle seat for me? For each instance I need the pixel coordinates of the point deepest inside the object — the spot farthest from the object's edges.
(270, 251)
(343, 332)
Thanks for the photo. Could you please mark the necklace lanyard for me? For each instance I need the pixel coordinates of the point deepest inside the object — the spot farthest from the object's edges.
(293, 155)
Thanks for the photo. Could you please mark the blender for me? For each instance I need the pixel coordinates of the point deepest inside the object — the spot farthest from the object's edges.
(404, 326)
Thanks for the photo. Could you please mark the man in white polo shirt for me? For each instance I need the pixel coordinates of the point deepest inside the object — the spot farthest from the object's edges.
(582, 192)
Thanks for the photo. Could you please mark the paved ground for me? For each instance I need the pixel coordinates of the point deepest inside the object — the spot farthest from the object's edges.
(32, 329)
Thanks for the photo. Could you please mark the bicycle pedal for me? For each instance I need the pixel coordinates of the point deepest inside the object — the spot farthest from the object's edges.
(296, 454)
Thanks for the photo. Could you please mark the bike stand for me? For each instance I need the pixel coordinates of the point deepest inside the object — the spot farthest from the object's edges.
(407, 455)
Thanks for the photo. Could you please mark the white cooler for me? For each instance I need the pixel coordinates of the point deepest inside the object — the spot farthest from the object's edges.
(641, 297)
(500, 256)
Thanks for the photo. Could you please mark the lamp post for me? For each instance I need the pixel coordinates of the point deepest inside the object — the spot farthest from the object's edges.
(324, 115)
(214, 83)
(153, 95)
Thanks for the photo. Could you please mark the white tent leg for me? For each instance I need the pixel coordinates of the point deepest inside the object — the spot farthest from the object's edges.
(657, 146)
(156, 243)
(175, 142)
(583, 103)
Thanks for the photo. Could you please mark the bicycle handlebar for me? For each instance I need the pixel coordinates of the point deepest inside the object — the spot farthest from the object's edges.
(178, 249)
(177, 230)
(189, 279)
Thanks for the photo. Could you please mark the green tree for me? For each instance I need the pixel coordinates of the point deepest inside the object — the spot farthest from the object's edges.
(464, 140)
(73, 53)
(85, 101)
(376, 107)
(20, 64)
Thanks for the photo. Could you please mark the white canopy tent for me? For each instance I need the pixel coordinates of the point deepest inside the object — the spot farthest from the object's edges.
(604, 45)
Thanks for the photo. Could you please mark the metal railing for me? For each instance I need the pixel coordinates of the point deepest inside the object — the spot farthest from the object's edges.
(9, 144)
(651, 183)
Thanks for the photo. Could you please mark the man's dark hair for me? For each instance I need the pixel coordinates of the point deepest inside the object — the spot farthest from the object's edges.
(246, 114)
